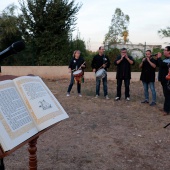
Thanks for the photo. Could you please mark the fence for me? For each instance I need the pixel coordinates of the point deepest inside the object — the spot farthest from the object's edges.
(54, 72)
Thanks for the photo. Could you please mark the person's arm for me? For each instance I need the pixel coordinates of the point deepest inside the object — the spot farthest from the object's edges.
(152, 64)
(141, 64)
(160, 62)
(129, 59)
(118, 60)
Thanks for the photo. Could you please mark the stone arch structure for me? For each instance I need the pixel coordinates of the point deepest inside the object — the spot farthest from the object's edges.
(136, 52)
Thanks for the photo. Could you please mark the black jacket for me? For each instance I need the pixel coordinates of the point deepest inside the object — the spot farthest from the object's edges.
(148, 72)
(123, 68)
(98, 61)
(163, 70)
(76, 63)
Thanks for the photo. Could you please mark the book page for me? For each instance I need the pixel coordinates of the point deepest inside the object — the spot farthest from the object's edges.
(16, 125)
(42, 104)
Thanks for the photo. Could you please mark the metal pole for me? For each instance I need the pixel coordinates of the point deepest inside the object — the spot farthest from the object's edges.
(144, 48)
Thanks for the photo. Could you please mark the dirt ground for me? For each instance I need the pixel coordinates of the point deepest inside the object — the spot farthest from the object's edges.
(102, 134)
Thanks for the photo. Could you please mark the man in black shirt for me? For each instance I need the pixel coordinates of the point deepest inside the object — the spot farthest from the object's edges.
(147, 77)
(123, 63)
(101, 61)
(163, 71)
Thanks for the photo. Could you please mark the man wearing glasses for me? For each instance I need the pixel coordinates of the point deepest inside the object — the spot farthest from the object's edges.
(163, 71)
(123, 63)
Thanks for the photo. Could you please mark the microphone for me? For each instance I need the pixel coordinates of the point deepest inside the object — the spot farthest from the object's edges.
(13, 49)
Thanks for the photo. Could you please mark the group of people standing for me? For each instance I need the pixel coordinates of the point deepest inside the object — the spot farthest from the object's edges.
(148, 66)
(123, 63)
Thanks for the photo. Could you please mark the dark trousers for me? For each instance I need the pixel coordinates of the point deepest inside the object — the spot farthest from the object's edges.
(71, 85)
(166, 93)
(2, 164)
(119, 86)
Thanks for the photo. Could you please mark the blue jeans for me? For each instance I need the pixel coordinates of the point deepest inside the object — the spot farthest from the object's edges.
(104, 86)
(71, 85)
(146, 93)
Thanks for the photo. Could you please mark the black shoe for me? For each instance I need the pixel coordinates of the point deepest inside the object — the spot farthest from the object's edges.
(153, 104)
(145, 101)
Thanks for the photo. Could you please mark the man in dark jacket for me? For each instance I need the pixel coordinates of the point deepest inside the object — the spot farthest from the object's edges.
(147, 77)
(163, 71)
(123, 63)
(101, 61)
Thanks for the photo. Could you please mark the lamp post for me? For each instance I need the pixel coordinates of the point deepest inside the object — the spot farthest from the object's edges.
(144, 48)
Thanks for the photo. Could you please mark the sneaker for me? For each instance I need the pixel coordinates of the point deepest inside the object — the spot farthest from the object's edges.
(96, 96)
(80, 95)
(127, 98)
(68, 94)
(117, 98)
(153, 104)
(145, 101)
(107, 98)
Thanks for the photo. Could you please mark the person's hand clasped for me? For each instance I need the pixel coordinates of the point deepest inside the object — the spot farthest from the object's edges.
(148, 59)
(122, 57)
(126, 57)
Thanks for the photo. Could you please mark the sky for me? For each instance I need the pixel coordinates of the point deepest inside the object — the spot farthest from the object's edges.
(94, 19)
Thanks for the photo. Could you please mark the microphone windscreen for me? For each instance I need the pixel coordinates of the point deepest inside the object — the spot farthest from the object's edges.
(18, 46)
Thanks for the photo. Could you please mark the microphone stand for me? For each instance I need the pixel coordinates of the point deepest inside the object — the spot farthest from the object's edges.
(2, 167)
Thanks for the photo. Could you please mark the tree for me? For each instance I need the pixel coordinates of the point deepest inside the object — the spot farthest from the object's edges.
(164, 32)
(79, 44)
(118, 30)
(9, 31)
(47, 26)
